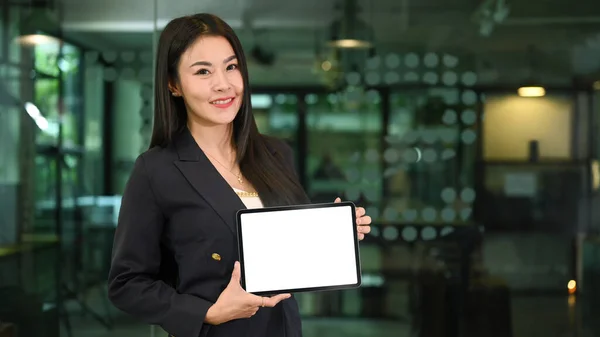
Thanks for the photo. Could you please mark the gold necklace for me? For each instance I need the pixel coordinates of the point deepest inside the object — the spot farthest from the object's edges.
(246, 194)
(238, 175)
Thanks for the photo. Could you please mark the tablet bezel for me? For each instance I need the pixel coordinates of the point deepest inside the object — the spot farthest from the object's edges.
(301, 207)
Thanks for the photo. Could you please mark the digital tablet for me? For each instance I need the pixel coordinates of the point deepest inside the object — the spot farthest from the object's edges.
(302, 248)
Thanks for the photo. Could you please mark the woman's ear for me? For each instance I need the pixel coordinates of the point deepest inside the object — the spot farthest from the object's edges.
(174, 88)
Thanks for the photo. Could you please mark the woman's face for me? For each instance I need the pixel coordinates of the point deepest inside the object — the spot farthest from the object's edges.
(210, 82)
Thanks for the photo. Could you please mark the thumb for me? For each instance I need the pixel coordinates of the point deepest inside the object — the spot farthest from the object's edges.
(338, 200)
(236, 274)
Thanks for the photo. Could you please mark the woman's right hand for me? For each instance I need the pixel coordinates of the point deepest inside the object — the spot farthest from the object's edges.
(235, 303)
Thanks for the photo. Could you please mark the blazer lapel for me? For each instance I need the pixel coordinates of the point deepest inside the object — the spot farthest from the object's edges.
(206, 180)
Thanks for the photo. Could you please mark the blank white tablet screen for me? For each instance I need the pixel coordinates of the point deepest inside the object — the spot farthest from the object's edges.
(296, 249)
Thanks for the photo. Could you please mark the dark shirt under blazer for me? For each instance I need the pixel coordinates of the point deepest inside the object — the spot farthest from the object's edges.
(175, 244)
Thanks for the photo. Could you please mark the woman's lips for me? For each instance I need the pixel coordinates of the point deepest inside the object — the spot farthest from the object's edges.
(223, 102)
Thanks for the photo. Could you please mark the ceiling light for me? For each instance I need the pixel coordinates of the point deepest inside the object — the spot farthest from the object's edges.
(351, 43)
(39, 28)
(532, 91)
(349, 31)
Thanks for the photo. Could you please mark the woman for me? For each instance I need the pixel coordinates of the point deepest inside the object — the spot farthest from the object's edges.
(175, 250)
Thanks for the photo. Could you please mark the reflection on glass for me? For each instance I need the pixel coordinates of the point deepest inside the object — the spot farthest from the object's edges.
(56, 88)
(530, 196)
(276, 115)
(344, 132)
(57, 65)
(29, 104)
(429, 156)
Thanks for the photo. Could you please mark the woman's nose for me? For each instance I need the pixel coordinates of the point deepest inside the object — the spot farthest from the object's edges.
(221, 81)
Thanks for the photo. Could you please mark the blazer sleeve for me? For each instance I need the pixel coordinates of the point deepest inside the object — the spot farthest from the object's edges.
(134, 285)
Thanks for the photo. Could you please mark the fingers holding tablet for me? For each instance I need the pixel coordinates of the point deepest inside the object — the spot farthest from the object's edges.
(360, 211)
(235, 303)
(274, 300)
(363, 221)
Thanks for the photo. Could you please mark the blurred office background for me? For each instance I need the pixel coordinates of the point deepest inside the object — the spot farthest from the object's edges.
(467, 128)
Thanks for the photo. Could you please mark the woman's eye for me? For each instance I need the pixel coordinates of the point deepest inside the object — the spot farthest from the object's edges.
(202, 72)
(232, 67)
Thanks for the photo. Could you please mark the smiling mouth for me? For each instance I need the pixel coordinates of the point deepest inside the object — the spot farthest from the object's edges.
(222, 101)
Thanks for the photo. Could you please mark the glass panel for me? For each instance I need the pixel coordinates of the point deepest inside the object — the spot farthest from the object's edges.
(46, 103)
(277, 115)
(430, 156)
(45, 192)
(29, 259)
(529, 197)
(56, 91)
(93, 96)
(512, 130)
(71, 72)
(54, 68)
(590, 277)
(29, 289)
(344, 135)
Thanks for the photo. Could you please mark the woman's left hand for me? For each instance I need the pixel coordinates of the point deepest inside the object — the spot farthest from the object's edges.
(363, 221)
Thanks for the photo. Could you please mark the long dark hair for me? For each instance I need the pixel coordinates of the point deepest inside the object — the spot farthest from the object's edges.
(268, 173)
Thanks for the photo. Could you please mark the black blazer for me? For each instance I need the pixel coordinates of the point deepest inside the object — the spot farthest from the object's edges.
(175, 243)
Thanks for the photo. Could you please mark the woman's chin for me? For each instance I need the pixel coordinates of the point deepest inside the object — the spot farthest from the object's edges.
(218, 116)
(227, 116)
(224, 118)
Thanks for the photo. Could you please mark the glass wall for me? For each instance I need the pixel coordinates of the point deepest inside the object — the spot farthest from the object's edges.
(59, 143)
(343, 139)
(30, 94)
(430, 154)
(277, 115)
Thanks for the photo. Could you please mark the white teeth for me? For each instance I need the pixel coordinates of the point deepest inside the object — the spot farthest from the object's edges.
(222, 101)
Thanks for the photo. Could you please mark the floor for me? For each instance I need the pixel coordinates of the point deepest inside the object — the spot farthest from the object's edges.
(531, 317)
(312, 328)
